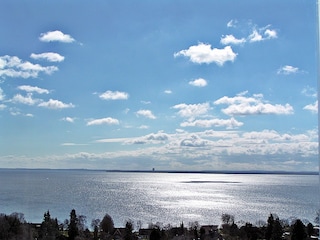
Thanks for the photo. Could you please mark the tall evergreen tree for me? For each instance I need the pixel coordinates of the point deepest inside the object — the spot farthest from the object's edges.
(298, 231)
(73, 230)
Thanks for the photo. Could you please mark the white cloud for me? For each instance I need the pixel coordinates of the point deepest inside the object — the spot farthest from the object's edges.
(287, 70)
(2, 95)
(255, 36)
(2, 106)
(30, 89)
(192, 110)
(312, 107)
(271, 33)
(262, 34)
(208, 123)
(143, 127)
(232, 23)
(68, 119)
(12, 66)
(203, 53)
(146, 113)
(108, 121)
(230, 39)
(193, 141)
(200, 82)
(49, 56)
(110, 95)
(153, 138)
(241, 105)
(57, 36)
(28, 100)
(167, 91)
(309, 92)
(55, 104)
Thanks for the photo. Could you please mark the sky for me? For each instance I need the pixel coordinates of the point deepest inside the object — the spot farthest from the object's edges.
(170, 85)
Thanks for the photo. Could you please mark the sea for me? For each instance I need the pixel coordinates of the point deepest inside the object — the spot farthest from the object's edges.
(158, 198)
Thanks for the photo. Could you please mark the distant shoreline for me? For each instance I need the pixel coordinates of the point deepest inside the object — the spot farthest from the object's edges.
(176, 171)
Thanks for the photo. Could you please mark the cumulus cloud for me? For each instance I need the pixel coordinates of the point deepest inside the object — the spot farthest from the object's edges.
(153, 138)
(12, 66)
(286, 70)
(203, 53)
(192, 110)
(146, 113)
(242, 105)
(101, 121)
(31, 89)
(230, 39)
(200, 82)
(168, 91)
(193, 141)
(110, 95)
(56, 36)
(208, 123)
(55, 104)
(312, 107)
(28, 100)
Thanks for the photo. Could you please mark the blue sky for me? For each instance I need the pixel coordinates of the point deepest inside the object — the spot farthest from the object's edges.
(171, 85)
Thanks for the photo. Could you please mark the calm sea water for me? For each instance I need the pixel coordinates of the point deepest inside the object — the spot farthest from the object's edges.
(157, 197)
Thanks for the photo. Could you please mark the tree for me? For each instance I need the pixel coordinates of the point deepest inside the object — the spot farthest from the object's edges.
(73, 230)
(269, 227)
(227, 218)
(298, 231)
(128, 230)
(310, 229)
(107, 224)
(276, 230)
(49, 227)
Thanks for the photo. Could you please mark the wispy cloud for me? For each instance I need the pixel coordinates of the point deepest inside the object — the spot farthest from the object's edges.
(49, 56)
(101, 121)
(286, 70)
(199, 82)
(2, 95)
(242, 105)
(146, 113)
(56, 36)
(232, 23)
(261, 34)
(68, 119)
(168, 91)
(12, 66)
(203, 53)
(309, 92)
(55, 104)
(110, 95)
(30, 89)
